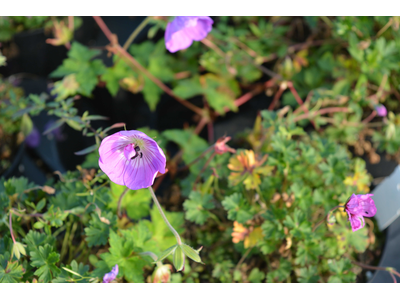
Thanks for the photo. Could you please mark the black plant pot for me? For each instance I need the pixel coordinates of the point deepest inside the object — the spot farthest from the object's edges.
(390, 254)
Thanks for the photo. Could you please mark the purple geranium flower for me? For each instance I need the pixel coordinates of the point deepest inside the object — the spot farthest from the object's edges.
(182, 31)
(358, 207)
(131, 158)
(108, 277)
(381, 110)
(33, 139)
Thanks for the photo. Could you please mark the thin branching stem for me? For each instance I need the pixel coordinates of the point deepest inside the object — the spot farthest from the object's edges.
(176, 234)
(327, 217)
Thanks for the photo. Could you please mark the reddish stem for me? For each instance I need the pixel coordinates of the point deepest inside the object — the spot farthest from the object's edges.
(394, 278)
(321, 112)
(370, 117)
(204, 167)
(11, 230)
(391, 271)
(210, 131)
(158, 182)
(117, 48)
(298, 99)
(200, 125)
(276, 98)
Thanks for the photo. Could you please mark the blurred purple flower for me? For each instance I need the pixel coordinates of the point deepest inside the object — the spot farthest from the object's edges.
(131, 158)
(381, 110)
(358, 207)
(56, 132)
(108, 277)
(182, 31)
(33, 139)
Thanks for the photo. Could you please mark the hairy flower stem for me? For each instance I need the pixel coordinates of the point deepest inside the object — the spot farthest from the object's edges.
(153, 256)
(370, 117)
(120, 201)
(176, 234)
(388, 269)
(149, 253)
(11, 230)
(327, 217)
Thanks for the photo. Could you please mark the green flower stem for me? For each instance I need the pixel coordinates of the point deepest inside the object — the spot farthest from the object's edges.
(135, 33)
(176, 234)
(327, 217)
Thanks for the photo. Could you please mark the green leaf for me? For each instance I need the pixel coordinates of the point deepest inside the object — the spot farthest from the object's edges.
(18, 249)
(188, 88)
(10, 272)
(80, 64)
(97, 232)
(122, 252)
(307, 253)
(197, 206)
(56, 217)
(191, 253)
(281, 273)
(41, 204)
(26, 125)
(87, 150)
(237, 207)
(166, 253)
(44, 259)
(35, 239)
(256, 276)
(73, 273)
(341, 270)
(179, 258)
(309, 275)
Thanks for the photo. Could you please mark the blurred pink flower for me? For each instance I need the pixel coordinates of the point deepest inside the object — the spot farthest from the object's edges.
(131, 158)
(108, 277)
(182, 31)
(381, 110)
(221, 147)
(358, 207)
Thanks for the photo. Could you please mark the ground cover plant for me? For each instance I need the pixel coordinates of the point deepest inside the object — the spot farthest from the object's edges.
(286, 201)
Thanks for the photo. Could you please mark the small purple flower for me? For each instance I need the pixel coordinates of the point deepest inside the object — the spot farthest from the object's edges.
(182, 31)
(56, 132)
(131, 158)
(381, 110)
(108, 277)
(358, 207)
(33, 139)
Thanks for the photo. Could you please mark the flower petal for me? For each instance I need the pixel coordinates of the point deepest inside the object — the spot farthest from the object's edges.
(112, 159)
(181, 32)
(368, 205)
(200, 30)
(138, 171)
